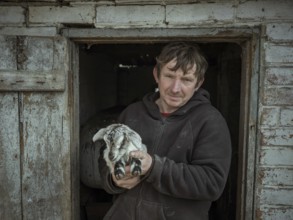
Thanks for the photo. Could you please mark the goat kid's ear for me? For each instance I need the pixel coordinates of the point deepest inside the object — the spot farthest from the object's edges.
(135, 140)
(99, 135)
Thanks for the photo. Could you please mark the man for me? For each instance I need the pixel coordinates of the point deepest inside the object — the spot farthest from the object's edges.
(188, 144)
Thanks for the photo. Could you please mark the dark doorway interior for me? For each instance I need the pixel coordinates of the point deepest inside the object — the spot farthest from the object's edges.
(114, 75)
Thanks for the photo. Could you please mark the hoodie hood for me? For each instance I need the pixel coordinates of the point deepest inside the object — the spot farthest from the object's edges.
(200, 97)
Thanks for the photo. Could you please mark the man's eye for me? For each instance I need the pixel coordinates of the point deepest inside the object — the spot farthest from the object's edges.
(187, 80)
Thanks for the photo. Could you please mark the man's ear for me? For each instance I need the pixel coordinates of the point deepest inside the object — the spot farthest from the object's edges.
(155, 73)
(199, 84)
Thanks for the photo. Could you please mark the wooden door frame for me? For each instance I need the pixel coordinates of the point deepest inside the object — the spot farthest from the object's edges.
(73, 101)
(247, 38)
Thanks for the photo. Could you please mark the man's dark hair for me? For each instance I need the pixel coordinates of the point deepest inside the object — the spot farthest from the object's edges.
(186, 56)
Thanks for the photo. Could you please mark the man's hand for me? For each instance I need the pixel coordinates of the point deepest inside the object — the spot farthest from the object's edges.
(129, 181)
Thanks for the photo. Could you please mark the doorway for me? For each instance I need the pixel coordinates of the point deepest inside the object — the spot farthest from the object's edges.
(114, 75)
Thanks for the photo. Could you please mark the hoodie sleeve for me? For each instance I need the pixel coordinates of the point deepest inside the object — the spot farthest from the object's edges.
(204, 177)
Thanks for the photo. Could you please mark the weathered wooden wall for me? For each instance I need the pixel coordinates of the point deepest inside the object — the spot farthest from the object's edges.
(35, 128)
(37, 149)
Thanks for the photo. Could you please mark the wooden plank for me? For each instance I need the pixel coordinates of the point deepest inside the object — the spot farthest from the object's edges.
(42, 67)
(275, 176)
(154, 2)
(29, 31)
(22, 80)
(10, 173)
(276, 196)
(275, 212)
(32, 63)
(73, 93)
(46, 184)
(276, 156)
(279, 32)
(277, 136)
(7, 55)
(155, 34)
(280, 54)
(281, 96)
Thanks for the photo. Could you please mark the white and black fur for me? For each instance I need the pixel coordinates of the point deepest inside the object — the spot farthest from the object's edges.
(120, 141)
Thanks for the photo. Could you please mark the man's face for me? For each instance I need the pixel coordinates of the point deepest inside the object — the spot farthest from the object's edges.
(175, 87)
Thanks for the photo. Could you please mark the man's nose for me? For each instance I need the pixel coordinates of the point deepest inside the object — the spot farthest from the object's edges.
(176, 86)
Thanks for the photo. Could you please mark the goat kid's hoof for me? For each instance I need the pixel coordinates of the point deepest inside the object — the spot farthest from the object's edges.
(136, 171)
(119, 174)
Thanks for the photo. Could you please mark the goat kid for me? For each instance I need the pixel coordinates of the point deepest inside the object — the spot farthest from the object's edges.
(120, 141)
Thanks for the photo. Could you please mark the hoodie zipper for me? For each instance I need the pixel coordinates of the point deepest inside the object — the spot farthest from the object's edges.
(159, 136)
(156, 147)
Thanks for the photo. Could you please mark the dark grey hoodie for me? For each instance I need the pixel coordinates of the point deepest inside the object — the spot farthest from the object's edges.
(191, 152)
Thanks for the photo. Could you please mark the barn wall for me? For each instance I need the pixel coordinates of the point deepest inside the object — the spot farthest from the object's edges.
(36, 141)
(35, 128)
(274, 193)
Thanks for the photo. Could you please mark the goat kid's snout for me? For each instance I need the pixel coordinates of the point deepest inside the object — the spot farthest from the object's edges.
(111, 156)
